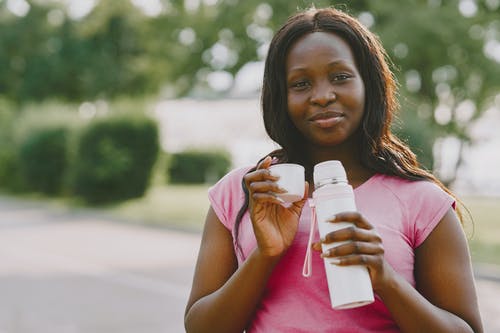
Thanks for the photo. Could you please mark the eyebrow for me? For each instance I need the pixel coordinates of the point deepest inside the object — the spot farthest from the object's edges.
(331, 64)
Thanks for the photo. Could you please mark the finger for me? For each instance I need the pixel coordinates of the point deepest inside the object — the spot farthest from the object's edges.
(258, 176)
(265, 186)
(358, 259)
(352, 248)
(265, 163)
(352, 233)
(299, 204)
(353, 217)
(317, 246)
(267, 198)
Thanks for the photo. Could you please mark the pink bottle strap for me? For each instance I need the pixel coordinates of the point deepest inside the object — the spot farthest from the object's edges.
(307, 268)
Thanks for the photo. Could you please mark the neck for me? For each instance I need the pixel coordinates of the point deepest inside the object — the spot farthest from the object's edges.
(348, 155)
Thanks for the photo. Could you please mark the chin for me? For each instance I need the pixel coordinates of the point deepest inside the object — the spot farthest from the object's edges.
(328, 139)
(326, 143)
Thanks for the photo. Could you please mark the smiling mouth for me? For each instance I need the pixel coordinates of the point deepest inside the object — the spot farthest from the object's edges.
(326, 119)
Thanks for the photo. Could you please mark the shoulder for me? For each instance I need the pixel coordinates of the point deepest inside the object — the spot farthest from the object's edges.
(423, 202)
(410, 196)
(410, 190)
(227, 196)
(232, 180)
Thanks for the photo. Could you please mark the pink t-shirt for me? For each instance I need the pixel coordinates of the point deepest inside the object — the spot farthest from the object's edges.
(403, 212)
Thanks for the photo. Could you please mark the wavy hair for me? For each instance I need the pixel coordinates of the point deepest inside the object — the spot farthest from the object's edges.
(380, 150)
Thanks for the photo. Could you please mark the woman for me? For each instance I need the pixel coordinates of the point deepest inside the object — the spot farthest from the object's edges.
(328, 94)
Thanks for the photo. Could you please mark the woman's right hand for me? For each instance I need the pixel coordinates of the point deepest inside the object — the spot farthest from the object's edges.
(274, 224)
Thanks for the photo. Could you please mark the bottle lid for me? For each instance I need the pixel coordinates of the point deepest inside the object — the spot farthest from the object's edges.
(329, 172)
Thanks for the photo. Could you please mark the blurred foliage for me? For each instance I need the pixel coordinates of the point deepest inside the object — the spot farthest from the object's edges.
(8, 113)
(33, 146)
(445, 53)
(43, 159)
(99, 152)
(197, 167)
(114, 158)
(414, 131)
(10, 177)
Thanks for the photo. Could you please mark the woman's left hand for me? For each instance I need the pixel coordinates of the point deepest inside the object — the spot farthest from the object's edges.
(362, 246)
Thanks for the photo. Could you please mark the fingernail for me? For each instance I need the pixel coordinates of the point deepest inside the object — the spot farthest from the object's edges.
(280, 200)
(332, 218)
(334, 261)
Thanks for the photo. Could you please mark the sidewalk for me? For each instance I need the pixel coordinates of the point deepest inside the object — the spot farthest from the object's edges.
(69, 273)
(72, 273)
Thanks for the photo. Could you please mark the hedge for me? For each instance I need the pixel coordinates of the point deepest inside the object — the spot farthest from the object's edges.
(33, 148)
(114, 158)
(195, 167)
(43, 159)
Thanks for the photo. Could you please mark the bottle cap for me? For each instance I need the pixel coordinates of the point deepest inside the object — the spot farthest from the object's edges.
(326, 172)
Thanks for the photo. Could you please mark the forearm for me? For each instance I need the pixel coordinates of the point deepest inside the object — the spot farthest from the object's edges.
(230, 308)
(413, 313)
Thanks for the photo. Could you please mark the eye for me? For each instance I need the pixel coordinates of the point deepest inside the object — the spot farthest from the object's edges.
(340, 77)
(300, 84)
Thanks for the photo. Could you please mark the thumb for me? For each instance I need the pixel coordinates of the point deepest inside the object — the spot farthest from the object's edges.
(298, 205)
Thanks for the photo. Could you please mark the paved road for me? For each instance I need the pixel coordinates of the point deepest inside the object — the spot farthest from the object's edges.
(63, 272)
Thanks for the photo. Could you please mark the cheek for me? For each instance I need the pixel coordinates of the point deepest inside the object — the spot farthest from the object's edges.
(361, 92)
(295, 102)
(361, 101)
(291, 98)
(292, 106)
(362, 95)
(358, 97)
(295, 110)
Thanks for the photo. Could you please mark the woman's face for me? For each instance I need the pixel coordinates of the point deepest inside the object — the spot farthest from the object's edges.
(326, 94)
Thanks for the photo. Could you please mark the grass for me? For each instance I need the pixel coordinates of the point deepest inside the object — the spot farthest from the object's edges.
(178, 206)
(484, 231)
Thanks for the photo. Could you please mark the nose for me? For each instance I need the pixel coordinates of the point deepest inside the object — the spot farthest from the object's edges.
(323, 95)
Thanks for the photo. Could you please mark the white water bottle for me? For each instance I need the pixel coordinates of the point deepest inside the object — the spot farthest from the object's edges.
(349, 286)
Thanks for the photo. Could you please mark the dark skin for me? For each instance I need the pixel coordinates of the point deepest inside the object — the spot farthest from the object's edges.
(323, 80)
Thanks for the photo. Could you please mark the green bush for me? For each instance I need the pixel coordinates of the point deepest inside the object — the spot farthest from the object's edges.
(43, 159)
(10, 175)
(196, 167)
(9, 164)
(33, 146)
(113, 159)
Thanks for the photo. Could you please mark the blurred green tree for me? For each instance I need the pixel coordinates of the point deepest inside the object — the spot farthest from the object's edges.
(445, 53)
(447, 66)
(45, 54)
(116, 60)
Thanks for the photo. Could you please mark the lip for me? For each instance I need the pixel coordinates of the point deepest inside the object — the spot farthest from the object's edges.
(326, 119)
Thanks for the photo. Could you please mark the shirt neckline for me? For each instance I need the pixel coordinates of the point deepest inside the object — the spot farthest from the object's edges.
(360, 187)
(367, 182)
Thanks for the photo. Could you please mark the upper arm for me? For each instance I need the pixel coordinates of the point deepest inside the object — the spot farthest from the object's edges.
(443, 271)
(216, 259)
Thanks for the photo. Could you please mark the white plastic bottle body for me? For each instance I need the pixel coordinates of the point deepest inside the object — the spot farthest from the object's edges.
(349, 286)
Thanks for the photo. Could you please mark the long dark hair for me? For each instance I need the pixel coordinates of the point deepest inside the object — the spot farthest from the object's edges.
(380, 150)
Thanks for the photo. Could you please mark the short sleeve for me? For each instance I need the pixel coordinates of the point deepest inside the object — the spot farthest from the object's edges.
(428, 206)
(227, 197)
